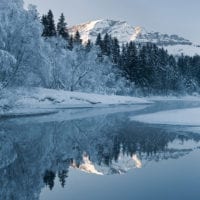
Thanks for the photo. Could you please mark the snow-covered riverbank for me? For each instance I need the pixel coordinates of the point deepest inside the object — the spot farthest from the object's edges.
(23, 101)
(39, 101)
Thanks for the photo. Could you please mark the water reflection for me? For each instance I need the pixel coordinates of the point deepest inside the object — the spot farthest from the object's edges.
(34, 154)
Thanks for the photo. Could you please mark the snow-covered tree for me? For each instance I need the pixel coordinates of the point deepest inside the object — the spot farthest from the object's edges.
(7, 63)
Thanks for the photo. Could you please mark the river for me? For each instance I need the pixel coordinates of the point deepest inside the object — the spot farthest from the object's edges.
(95, 154)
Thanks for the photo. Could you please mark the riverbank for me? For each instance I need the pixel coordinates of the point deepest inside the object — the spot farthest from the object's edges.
(40, 101)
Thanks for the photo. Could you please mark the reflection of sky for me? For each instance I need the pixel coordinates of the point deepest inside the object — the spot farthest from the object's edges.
(169, 169)
(164, 180)
(172, 16)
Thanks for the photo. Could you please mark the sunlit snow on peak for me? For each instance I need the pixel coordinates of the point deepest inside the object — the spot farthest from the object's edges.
(138, 162)
(123, 164)
(137, 32)
(125, 32)
(87, 166)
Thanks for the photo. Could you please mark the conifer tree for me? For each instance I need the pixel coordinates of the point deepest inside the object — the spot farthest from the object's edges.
(88, 45)
(99, 43)
(70, 43)
(143, 70)
(62, 27)
(106, 44)
(45, 25)
(123, 60)
(132, 61)
(50, 25)
(115, 51)
(99, 40)
(77, 38)
(49, 178)
(62, 177)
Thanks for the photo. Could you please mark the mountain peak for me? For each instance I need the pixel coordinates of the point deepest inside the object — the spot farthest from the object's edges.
(119, 29)
(125, 32)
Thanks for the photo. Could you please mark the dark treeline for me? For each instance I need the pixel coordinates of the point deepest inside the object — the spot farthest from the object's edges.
(149, 67)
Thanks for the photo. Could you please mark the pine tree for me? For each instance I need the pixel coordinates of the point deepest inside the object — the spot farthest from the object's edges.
(99, 43)
(123, 60)
(142, 70)
(195, 68)
(51, 25)
(106, 45)
(115, 51)
(70, 43)
(62, 177)
(132, 62)
(77, 38)
(182, 63)
(99, 40)
(88, 45)
(45, 25)
(62, 27)
(49, 178)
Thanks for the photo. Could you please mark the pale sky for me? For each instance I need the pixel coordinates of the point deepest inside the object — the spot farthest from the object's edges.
(167, 16)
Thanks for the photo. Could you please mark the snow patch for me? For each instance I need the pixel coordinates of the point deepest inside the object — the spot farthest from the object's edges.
(41, 101)
(189, 50)
(138, 31)
(189, 117)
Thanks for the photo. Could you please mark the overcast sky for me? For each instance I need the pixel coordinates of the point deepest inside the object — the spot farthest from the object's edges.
(167, 16)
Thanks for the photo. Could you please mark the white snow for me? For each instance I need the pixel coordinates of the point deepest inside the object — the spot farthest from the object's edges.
(125, 32)
(50, 96)
(121, 166)
(40, 100)
(137, 32)
(118, 29)
(189, 117)
(189, 50)
(85, 30)
(191, 98)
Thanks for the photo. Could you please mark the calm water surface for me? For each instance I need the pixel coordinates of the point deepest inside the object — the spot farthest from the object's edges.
(97, 154)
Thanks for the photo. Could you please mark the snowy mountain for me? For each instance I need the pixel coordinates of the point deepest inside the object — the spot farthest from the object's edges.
(126, 33)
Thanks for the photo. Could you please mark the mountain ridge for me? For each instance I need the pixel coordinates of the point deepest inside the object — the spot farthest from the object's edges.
(125, 32)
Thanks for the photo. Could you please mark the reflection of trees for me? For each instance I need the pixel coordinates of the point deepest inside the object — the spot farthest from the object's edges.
(62, 177)
(49, 178)
(148, 141)
(47, 150)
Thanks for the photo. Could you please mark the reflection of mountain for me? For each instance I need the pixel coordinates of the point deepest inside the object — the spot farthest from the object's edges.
(32, 155)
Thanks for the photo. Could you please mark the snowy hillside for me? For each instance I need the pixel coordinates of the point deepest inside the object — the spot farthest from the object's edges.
(126, 33)
(189, 50)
